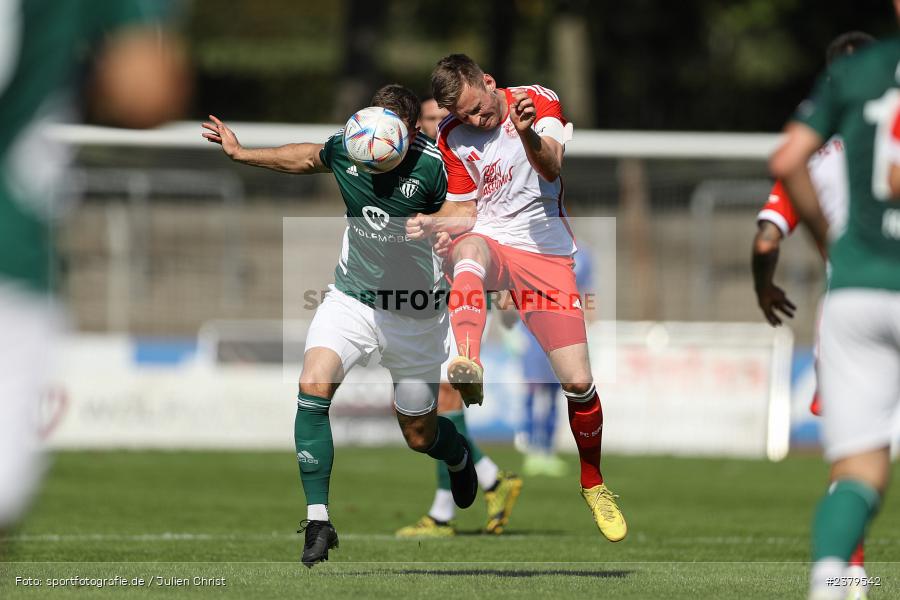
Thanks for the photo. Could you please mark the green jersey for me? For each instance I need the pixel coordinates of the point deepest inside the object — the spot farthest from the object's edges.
(857, 98)
(41, 45)
(379, 265)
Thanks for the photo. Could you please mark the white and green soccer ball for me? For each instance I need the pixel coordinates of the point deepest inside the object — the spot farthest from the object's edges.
(375, 139)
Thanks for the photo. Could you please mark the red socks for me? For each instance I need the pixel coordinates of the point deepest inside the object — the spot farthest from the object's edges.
(468, 311)
(586, 421)
(857, 559)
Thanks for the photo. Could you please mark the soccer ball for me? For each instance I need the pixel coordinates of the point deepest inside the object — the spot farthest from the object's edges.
(375, 139)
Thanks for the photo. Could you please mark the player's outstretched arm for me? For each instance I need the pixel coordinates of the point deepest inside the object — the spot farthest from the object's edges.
(454, 218)
(544, 153)
(290, 158)
(769, 296)
(789, 163)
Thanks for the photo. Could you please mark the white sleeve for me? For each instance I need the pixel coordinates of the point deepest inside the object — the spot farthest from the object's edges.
(554, 129)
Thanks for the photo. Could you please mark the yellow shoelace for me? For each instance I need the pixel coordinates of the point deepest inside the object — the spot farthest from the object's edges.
(605, 499)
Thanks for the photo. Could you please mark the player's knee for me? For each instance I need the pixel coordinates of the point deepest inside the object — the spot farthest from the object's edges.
(580, 385)
(312, 386)
(471, 248)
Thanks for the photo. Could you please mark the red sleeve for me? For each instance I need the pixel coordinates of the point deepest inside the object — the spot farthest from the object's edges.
(895, 128)
(546, 103)
(779, 210)
(460, 186)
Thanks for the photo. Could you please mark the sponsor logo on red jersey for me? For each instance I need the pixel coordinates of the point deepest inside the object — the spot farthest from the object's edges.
(495, 178)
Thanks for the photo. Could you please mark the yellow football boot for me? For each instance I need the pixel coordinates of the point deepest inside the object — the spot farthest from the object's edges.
(426, 527)
(500, 501)
(607, 515)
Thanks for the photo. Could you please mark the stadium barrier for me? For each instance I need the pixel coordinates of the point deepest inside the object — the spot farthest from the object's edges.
(688, 389)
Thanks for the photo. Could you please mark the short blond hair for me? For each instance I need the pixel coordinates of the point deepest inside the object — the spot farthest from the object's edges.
(450, 74)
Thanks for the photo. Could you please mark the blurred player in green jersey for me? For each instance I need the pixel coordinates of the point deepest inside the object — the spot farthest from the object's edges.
(778, 219)
(859, 335)
(137, 79)
(354, 322)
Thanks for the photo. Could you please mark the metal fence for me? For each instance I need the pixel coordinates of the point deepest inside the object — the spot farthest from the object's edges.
(165, 241)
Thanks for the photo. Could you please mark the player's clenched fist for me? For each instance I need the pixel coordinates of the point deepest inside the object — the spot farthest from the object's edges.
(419, 227)
(521, 110)
(441, 243)
(219, 133)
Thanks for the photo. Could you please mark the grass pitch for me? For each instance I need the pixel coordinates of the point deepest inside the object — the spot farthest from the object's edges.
(697, 529)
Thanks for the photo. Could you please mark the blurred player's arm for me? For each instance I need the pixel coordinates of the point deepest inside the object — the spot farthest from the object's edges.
(140, 78)
(789, 163)
(290, 158)
(544, 153)
(769, 296)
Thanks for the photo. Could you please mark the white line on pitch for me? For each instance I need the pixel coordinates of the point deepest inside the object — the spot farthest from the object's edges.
(279, 536)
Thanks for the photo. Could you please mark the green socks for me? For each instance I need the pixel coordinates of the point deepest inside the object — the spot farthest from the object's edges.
(315, 448)
(458, 419)
(841, 519)
(446, 446)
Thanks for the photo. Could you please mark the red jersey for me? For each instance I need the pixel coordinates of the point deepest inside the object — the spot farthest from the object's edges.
(516, 206)
(828, 171)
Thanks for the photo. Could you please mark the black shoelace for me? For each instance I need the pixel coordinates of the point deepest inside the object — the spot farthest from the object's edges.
(313, 527)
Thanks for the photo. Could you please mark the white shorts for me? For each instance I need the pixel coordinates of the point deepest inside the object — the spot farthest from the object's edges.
(409, 348)
(30, 324)
(859, 370)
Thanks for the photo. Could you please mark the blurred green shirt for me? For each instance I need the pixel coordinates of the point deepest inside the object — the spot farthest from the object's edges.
(858, 98)
(43, 46)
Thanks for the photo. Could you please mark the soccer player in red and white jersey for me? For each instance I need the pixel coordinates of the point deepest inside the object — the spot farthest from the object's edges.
(778, 219)
(503, 151)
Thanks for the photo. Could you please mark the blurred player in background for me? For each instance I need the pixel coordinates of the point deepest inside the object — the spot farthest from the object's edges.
(138, 79)
(859, 332)
(348, 327)
(503, 151)
(431, 115)
(501, 489)
(778, 219)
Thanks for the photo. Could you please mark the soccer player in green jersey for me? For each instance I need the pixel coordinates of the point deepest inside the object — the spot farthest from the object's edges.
(363, 313)
(859, 335)
(137, 80)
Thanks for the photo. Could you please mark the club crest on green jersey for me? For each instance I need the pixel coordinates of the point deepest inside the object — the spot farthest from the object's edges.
(409, 186)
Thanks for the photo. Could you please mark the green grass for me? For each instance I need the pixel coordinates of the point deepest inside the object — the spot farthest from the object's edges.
(697, 529)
